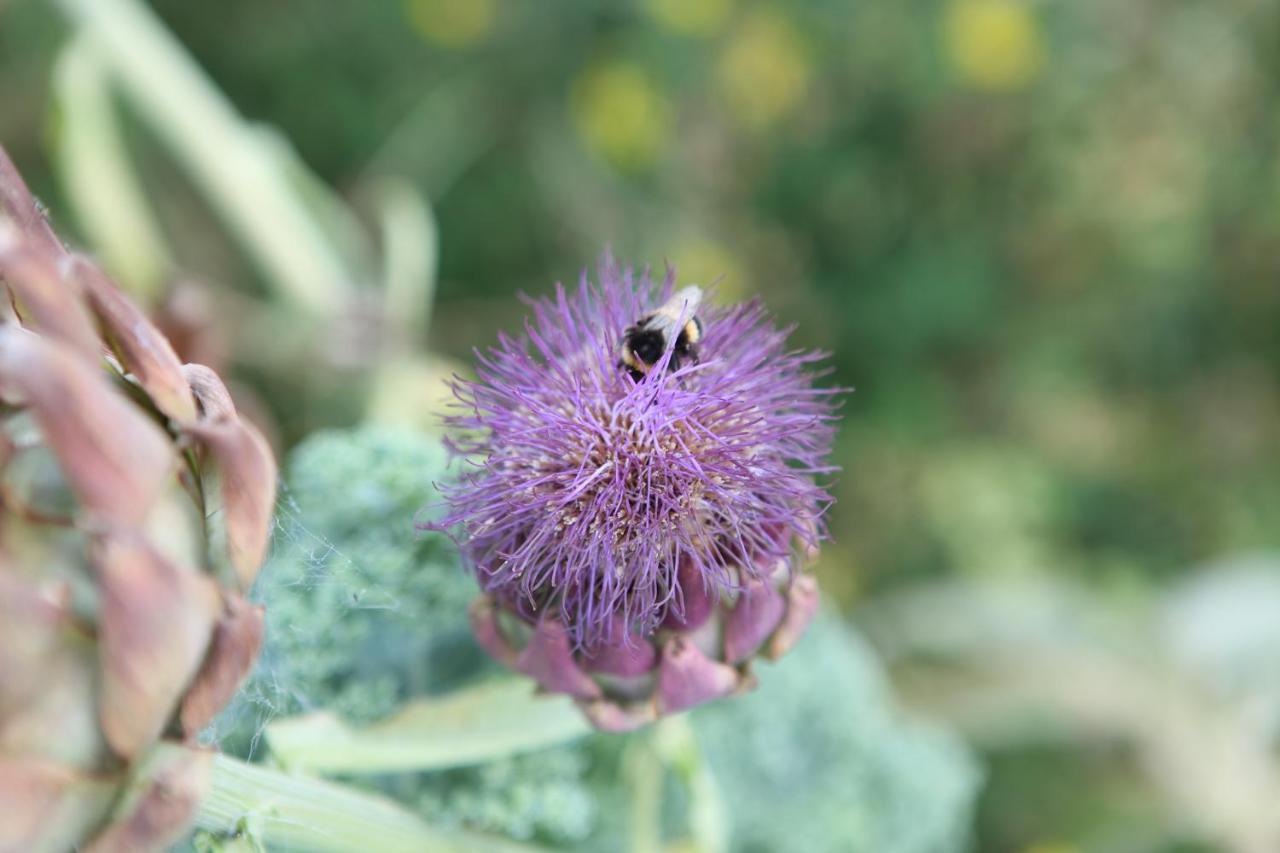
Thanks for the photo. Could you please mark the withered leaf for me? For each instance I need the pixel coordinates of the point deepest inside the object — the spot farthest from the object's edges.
(236, 641)
(144, 351)
(47, 684)
(18, 205)
(49, 303)
(155, 621)
(46, 806)
(211, 394)
(116, 459)
(245, 468)
(162, 814)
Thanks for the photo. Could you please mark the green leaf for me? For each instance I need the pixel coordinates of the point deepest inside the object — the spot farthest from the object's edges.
(470, 726)
(300, 813)
(99, 176)
(226, 157)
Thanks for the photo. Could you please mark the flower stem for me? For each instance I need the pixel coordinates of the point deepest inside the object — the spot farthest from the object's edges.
(642, 770)
(671, 746)
(708, 819)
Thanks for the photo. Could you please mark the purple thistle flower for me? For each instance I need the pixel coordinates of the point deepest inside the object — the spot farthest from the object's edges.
(607, 517)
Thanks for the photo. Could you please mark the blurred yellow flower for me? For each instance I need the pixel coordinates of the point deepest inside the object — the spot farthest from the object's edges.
(703, 261)
(453, 23)
(764, 70)
(621, 115)
(994, 44)
(690, 17)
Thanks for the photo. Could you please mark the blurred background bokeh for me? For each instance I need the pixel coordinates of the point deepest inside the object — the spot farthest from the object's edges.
(1040, 239)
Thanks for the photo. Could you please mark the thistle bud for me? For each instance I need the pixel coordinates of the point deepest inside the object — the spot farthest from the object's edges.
(641, 528)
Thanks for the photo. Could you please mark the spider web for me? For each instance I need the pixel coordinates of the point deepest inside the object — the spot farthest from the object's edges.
(361, 611)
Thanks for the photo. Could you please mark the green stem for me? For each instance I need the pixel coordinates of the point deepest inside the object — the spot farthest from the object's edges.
(291, 812)
(230, 161)
(466, 727)
(410, 246)
(642, 771)
(99, 177)
(670, 745)
(708, 818)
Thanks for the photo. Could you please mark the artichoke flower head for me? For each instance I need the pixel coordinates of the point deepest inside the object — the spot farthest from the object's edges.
(640, 535)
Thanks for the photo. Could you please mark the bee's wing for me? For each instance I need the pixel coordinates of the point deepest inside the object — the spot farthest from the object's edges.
(684, 303)
(675, 312)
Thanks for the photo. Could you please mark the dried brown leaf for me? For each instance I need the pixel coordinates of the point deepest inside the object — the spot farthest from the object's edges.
(236, 642)
(115, 458)
(48, 300)
(48, 683)
(143, 350)
(155, 623)
(29, 626)
(18, 206)
(162, 814)
(246, 470)
(212, 397)
(46, 806)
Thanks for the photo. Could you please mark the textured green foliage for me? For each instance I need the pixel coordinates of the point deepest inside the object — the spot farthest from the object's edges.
(544, 795)
(350, 586)
(363, 613)
(817, 760)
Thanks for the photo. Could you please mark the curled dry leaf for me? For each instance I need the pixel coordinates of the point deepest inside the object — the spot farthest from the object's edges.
(29, 625)
(46, 806)
(19, 207)
(246, 470)
(142, 349)
(161, 815)
(155, 624)
(212, 398)
(115, 458)
(236, 641)
(47, 301)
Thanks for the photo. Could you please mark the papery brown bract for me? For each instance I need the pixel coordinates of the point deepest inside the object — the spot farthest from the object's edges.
(123, 617)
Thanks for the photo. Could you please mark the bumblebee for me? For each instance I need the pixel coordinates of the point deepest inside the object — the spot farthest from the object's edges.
(644, 343)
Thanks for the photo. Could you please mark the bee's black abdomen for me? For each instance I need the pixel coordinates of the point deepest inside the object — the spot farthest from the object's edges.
(644, 343)
(647, 345)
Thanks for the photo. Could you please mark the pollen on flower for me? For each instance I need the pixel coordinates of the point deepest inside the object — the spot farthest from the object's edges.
(590, 490)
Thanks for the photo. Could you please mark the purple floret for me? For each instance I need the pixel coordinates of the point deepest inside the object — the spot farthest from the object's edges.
(587, 490)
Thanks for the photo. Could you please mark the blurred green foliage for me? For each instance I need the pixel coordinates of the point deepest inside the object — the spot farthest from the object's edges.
(1040, 239)
(817, 738)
